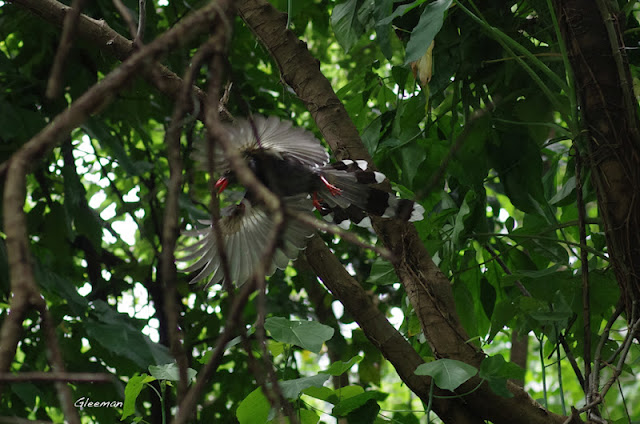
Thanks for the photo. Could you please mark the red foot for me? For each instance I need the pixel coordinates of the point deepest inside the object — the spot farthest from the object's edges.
(332, 189)
(316, 201)
(222, 184)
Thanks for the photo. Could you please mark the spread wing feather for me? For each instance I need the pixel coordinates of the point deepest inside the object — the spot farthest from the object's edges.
(245, 229)
(277, 137)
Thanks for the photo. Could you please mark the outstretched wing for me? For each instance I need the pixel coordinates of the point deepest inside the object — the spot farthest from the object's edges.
(245, 231)
(271, 135)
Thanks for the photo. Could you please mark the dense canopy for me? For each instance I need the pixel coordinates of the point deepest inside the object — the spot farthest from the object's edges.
(513, 124)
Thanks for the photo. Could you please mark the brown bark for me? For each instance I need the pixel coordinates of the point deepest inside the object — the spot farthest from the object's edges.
(603, 85)
(519, 350)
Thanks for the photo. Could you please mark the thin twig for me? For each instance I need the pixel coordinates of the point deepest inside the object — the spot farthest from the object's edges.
(171, 225)
(349, 236)
(57, 365)
(506, 269)
(215, 134)
(126, 15)
(572, 361)
(455, 147)
(597, 397)
(142, 19)
(275, 208)
(54, 85)
(623, 355)
(232, 320)
(584, 266)
(593, 395)
(69, 377)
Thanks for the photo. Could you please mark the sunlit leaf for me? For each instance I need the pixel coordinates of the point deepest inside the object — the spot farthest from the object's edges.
(426, 30)
(346, 26)
(340, 367)
(131, 392)
(309, 335)
(170, 372)
(254, 409)
(448, 374)
(291, 389)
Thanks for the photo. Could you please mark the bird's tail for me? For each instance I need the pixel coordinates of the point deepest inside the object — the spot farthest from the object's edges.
(347, 195)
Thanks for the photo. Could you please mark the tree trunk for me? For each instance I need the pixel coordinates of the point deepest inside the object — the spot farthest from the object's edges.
(611, 148)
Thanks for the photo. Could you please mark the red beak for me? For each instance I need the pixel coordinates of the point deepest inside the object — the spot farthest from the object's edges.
(222, 184)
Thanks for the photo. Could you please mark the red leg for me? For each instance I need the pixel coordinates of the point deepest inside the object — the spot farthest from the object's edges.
(332, 189)
(222, 184)
(316, 201)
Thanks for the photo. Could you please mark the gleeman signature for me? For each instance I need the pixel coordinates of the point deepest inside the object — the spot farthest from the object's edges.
(85, 402)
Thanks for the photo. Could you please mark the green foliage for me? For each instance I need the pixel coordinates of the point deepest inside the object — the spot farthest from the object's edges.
(254, 408)
(307, 334)
(448, 374)
(487, 150)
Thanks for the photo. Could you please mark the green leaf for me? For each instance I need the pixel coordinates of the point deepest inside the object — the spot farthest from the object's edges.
(428, 26)
(566, 194)
(366, 414)
(346, 26)
(61, 286)
(291, 389)
(448, 374)
(131, 391)
(497, 371)
(371, 135)
(400, 11)
(87, 222)
(307, 416)
(383, 31)
(254, 409)
(114, 332)
(534, 274)
(170, 372)
(308, 335)
(348, 405)
(323, 393)
(340, 367)
(463, 213)
(348, 391)
(413, 155)
(496, 366)
(275, 348)
(382, 273)
(520, 168)
(504, 312)
(488, 296)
